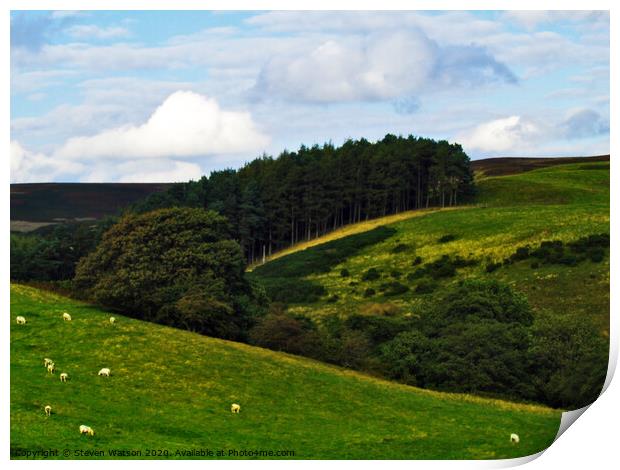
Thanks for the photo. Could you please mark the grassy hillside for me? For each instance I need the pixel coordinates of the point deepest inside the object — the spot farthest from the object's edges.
(172, 389)
(512, 165)
(563, 202)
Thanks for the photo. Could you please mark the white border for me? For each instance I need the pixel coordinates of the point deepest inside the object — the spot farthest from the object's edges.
(592, 442)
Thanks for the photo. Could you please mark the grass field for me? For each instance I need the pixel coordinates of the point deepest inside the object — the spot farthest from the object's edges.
(563, 202)
(172, 390)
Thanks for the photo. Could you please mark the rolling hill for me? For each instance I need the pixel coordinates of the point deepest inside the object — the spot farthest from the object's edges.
(563, 202)
(172, 390)
(503, 166)
(44, 203)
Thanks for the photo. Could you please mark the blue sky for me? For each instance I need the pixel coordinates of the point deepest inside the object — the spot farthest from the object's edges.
(168, 96)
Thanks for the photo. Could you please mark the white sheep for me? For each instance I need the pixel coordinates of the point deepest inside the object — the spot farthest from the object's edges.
(20, 320)
(51, 368)
(112, 320)
(86, 430)
(66, 317)
(105, 372)
(64, 376)
(514, 438)
(48, 361)
(48, 410)
(235, 408)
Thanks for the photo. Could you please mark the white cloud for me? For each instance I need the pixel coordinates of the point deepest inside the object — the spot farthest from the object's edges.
(160, 171)
(139, 171)
(67, 120)
(107, 103)
(62, 14)
(350, 69)
(583, 132)
(376, 66)
(185, 125)
(514, 134)
(584, 123)
(25, 82)
(531, 19)
(462, 24)
(91, 31)
(27, 166)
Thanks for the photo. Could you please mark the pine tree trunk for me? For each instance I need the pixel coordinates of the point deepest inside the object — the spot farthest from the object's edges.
(292, 227)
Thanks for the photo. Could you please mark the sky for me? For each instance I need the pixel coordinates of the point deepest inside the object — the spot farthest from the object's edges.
(160, 96)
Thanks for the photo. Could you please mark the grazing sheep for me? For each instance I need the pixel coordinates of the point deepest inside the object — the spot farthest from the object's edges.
(105, 372)
(51, 368)
(64, 376)
(235, 408)
(48, 410)
(86, 430)
(66, 317)
(20, 320)
(112, 320)
(48, 361)
(514, 438)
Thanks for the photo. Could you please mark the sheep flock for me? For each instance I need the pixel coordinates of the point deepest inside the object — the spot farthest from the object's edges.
(50, 367)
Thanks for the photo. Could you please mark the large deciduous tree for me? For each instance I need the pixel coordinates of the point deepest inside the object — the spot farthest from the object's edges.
(174, 266)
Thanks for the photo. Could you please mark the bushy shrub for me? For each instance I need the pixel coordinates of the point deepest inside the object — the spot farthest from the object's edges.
(568, 260)
(523, 252)
(425, 286)
(596, 254)
(417, 261)
(459, 262)
(583, 244)
(447, 238)
(293, 290)
(354, 349)
(396, 274)
(473, 338)
(333, 298)
(491, 267)
(443, 267)
(371, 275)
(403, 357)
(369, 292)
(344, 273)
(400, 248)
(378, 328)
(417, 274)
(475, 300)
(549, 251)
(281, 332)
(569, 358)
(394, 288)
(570, 254)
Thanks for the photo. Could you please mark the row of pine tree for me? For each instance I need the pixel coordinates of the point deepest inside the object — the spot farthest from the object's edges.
(272, 203)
